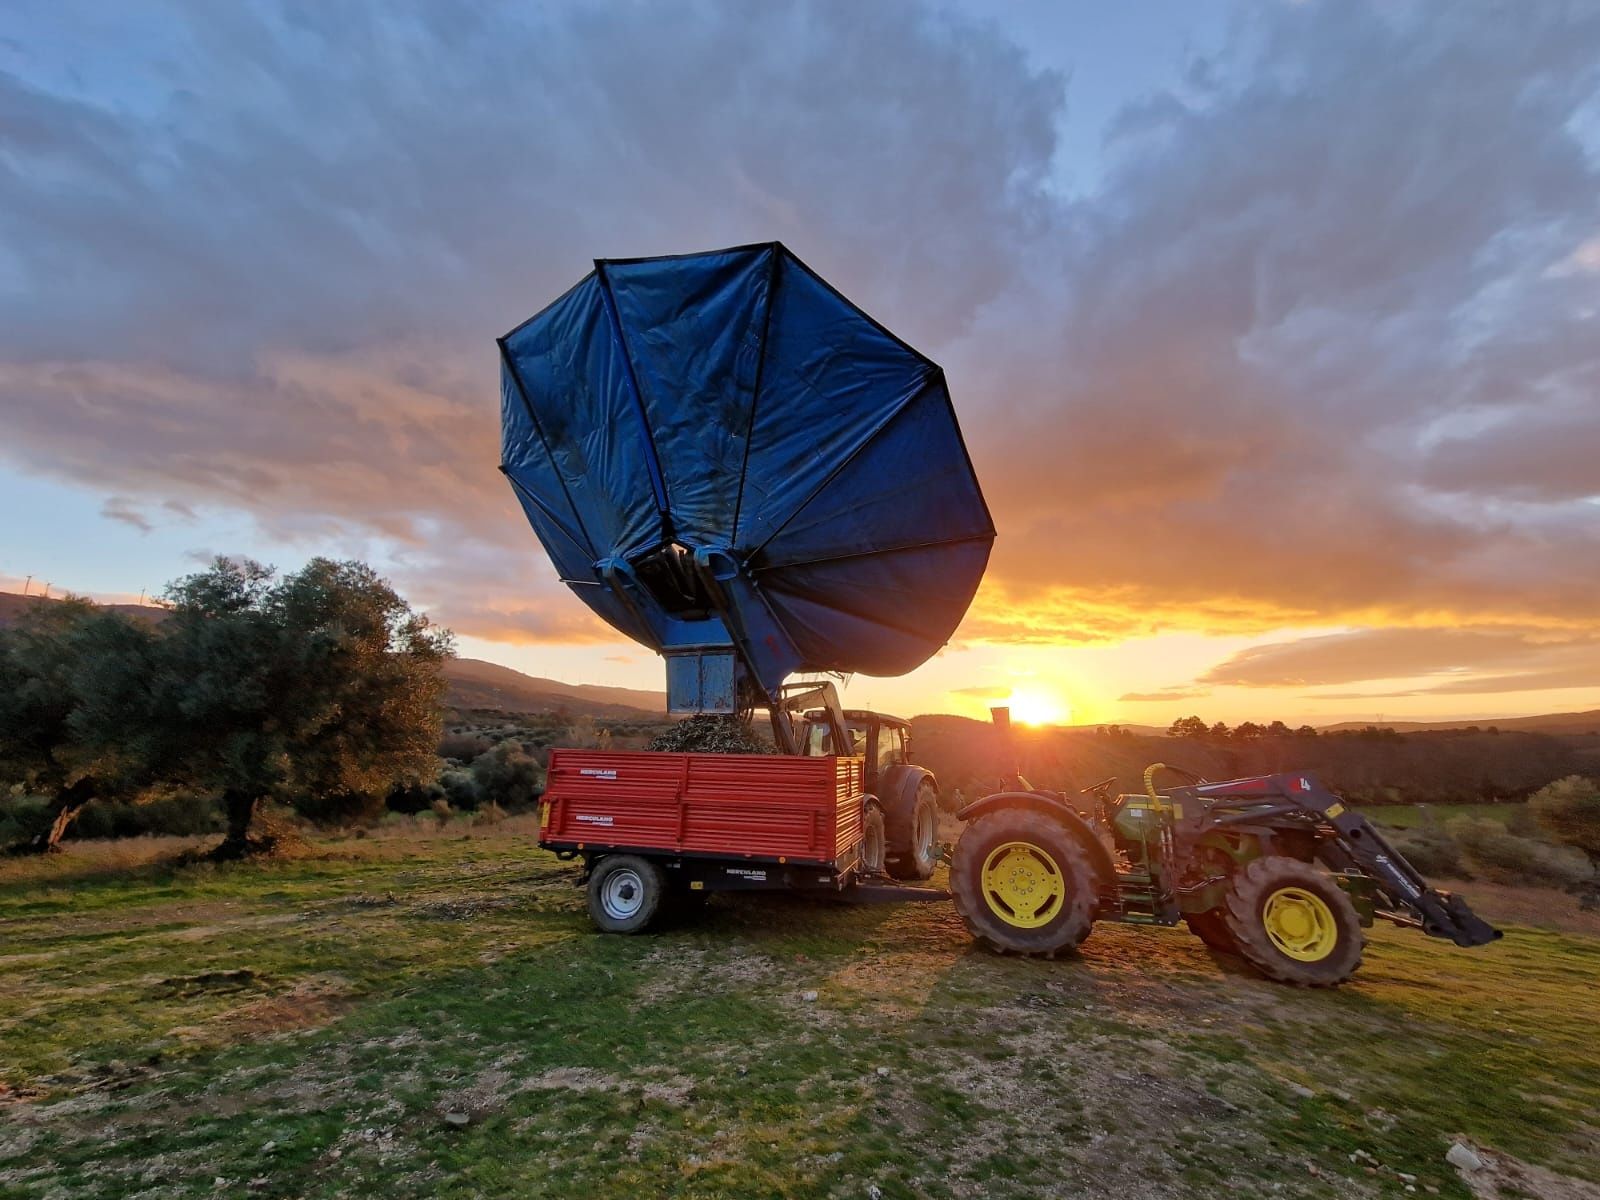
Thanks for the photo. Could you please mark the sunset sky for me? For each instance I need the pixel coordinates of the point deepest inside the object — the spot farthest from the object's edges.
(1272, 326)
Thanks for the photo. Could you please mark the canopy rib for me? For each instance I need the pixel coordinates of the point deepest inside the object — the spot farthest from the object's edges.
(658, 484)
(776, 252)
(933, 376)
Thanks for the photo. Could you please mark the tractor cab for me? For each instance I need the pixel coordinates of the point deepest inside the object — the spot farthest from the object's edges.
(906, 794)
(883, 741)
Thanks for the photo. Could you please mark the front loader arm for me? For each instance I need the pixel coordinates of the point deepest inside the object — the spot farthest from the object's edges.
(1439, 914)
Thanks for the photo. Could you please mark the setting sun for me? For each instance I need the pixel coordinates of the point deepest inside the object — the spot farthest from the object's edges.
(1032, 707)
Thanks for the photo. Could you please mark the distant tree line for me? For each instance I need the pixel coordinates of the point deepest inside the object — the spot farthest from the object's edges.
(1245, 731)
(320, 689)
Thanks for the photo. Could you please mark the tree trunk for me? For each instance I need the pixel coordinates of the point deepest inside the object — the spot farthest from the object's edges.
(241, 812)
(69, 802)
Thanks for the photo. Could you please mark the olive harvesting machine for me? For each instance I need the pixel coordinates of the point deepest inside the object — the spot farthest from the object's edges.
(735, 466)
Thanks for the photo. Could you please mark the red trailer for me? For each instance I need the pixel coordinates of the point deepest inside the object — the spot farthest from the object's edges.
(653, 826)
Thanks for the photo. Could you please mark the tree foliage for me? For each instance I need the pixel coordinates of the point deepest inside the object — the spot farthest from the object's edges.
(320, 689)
(1569, 811)
(308, 689)
(73, 695)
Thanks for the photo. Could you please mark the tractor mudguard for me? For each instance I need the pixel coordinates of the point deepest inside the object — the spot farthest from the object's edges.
(899, 784)
(1070, 820)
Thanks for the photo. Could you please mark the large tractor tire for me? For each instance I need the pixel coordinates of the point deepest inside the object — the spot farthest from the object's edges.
(1293, 923)
(625, 893)
(913, 835)
(1023, 884)
(1212, 928)
(872, 839)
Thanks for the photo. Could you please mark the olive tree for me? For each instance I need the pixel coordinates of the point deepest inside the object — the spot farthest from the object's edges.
(74, 708)
(316, 685)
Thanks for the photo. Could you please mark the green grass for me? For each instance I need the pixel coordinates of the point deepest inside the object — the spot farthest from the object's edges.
(1412, 816)
(300, 1029)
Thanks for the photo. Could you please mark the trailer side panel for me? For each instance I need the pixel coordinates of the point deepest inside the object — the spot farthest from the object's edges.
(763, 806)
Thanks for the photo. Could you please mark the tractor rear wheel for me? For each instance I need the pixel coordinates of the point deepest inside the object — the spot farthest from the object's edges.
(1211, 927)
(1293, 923)
(1022, 884)
(872, 841)
(914, 853)
(625, 893)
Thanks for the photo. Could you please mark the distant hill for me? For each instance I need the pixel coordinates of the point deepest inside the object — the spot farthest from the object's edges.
(478, 684)
(14, 604)
(1568, 723)
(1428, 766)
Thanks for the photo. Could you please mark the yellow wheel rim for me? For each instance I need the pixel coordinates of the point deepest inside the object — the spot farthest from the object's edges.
(1023, 885)
(1300, 924)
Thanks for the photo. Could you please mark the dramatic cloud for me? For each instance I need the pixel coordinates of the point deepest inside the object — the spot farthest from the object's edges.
(995, 692)
(1520, 661)
(1303, 315)
(262, 262)
(1164, 696)
(1318, 347)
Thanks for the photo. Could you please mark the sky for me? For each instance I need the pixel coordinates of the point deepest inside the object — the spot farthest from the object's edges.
(1271, 326)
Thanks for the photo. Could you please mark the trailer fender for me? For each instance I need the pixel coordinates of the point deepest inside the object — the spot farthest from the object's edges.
(1099, 856)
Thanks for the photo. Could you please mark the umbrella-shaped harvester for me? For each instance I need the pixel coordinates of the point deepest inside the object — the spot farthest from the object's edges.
(734, 465)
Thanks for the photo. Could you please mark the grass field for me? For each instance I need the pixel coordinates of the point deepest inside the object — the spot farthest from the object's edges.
(432, 1017)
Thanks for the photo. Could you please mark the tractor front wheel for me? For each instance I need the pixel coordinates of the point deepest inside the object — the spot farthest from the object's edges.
(1022, 884)
(1293, 923)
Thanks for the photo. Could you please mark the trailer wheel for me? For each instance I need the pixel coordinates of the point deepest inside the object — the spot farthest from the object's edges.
(919, 854)
(1022, 884)
(1211, 927)
(625, 893)
(1293, 923)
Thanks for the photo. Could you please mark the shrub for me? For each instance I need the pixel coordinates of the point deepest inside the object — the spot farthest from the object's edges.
(1569, 811)
(508, 776)
(1431, 851)
(1503, 857)
(22, 818)
(463, 747)
(461, 790)
(340, 808)
(172, 814)
(414, 797)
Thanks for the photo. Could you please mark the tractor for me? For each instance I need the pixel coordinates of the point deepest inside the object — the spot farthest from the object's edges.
(1275, 869)
(735, 466)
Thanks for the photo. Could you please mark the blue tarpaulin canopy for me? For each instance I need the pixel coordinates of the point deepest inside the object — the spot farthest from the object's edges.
(733, 402)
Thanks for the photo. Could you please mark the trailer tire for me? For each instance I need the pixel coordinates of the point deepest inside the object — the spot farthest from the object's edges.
(1022, 884)
(625, 893)
(1293, 923)
(915, 846)
(1211, 927)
